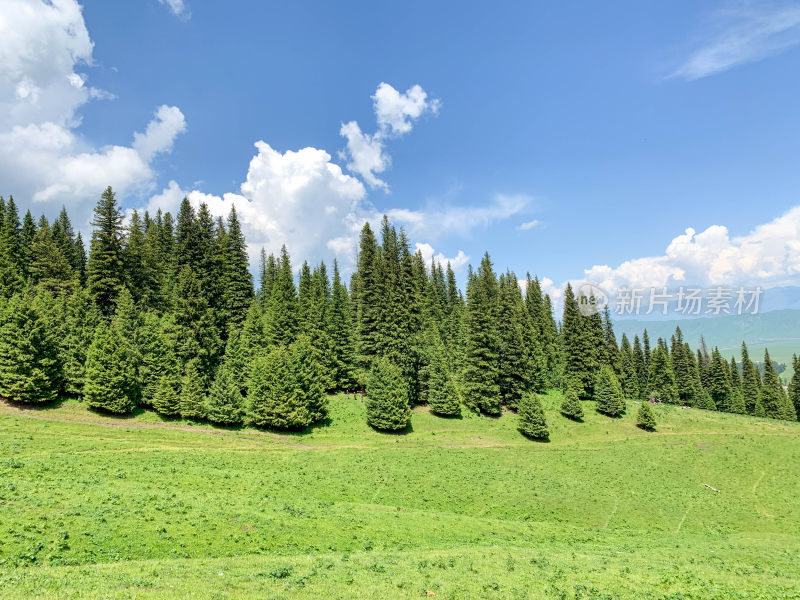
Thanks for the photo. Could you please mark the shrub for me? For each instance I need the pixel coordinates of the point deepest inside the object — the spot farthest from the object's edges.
(645, 417)
(387, 397)
(531, 417)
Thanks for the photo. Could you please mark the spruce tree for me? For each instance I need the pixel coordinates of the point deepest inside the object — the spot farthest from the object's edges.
(272, 398)
(156, 345)
(682, 369)
(237, 283)
(26, 236)
(719, 385)
(387, 397)
(140, 277)
(480, 388)
(794, 385)
(645, 417)
(571, 405)
(777, 404)
(167, 397)
(610, 351)
(193, 398)
(773, 398)
(225, 404)
(110, 383)
(307, 377)
(514, 362)
(629, 378)
(737, 402)
(269, 273)
(368, 287)
(340, 333)
(530, 416)
(608, 393)
(582, 341)
(661, 379)
(105, 271)
(29, 368)
(196, 332)
(641, 367)
(49, 269)
(80, 321)
(442, 394)
(304, 297)
(736, 376)
(751, 384)
(282, 319)
(646, 350)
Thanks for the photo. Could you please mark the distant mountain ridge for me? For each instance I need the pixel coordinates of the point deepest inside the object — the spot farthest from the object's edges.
(778, 329)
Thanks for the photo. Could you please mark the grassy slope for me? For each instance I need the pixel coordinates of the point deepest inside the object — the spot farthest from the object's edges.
(92, 506)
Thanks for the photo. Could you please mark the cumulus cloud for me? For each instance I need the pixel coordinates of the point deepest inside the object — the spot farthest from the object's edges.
(298, 198)
(769, 255)
(42, 157)
(304, 200)
(366, 153)
(459, 261)
(43, 45)
(395, 113)
(743, 34)
(160, 133)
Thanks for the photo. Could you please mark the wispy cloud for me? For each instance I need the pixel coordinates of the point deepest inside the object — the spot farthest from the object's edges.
(178, 8)
(528, 225)
(741, 34)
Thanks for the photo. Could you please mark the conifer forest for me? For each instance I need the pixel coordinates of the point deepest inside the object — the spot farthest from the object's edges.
(162, 312)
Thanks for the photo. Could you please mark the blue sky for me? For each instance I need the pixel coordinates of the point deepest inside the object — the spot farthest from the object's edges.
(613, 126)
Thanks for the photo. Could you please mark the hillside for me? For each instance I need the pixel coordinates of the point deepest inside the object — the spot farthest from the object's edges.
(777, 330)
(94, 506)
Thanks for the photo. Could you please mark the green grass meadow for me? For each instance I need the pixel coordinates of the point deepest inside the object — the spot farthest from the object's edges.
(93, 506)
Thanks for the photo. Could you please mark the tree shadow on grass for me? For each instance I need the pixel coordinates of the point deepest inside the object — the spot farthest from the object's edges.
(35, 405)
(457, 417)
(299, 431)
(394, 432)
(572, 418)
(619, 416)
(545, 440)
(136, 412)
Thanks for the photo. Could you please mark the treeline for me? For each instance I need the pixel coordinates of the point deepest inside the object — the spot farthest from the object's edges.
(163, 313)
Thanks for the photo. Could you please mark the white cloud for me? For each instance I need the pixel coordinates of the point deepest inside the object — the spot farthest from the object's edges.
(298, 198)
(769, 256)
(428, 254)
(528, 225)
(42, 157)
(177, 8)
(461, 220)
(42, 45)
(305, 201)
(395, 113)
(367, 154)
(160, 133)
(744, 34)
